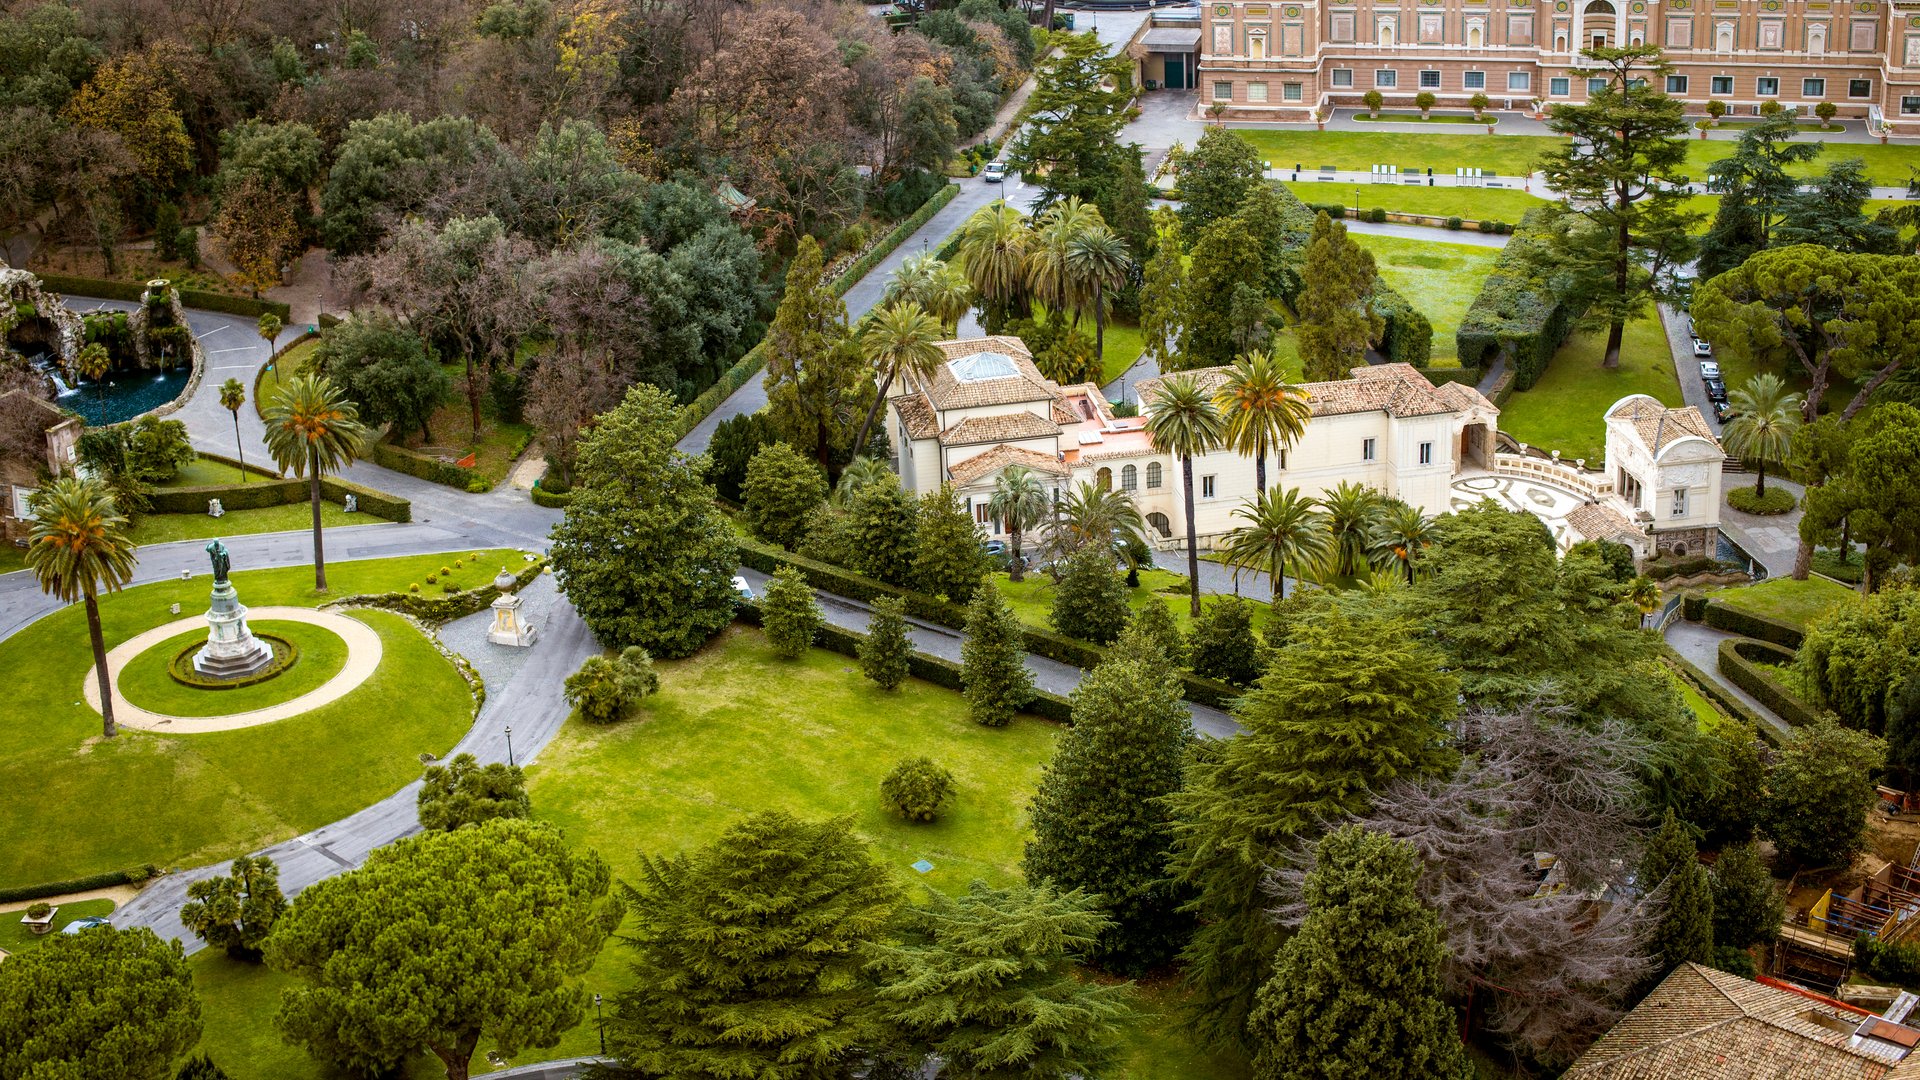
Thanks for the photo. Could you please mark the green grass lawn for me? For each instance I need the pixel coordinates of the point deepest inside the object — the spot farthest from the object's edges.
(164, 528)
(1123, 346)
(1439, 279)
(16, 938)
(205, 472)
(182, 800)
(1470, 203)
(1790, 601)
(267, 385)
(1389, 117)
(147, 683)
(1032, 598)
(1566, 409)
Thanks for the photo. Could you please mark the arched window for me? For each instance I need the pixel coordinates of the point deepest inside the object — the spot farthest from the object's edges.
(1160, 523)
(1129, 478)
(1103, 479)
(1153, 475)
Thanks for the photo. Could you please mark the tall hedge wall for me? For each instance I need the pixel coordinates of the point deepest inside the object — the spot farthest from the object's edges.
(193, 298)
(1515, 315)
(267, 491)
(1734, 621)
(1746, 662)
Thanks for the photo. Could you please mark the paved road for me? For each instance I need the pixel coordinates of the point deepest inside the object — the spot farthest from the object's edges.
(1700, 644)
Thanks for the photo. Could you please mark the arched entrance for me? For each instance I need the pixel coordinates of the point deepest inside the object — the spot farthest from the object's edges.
(1160, 523)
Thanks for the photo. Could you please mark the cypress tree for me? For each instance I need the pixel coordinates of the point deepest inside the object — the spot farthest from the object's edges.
(1336, 315)
(1670, 868)
(993, 661)
(789, 614)
(1357, 991)
(1099, 819)
(879, 534)
(1353, 702)
(947, 558)
(884, 653)
(1223, 645)
(1090, 600)
(1747, 907)
(818, 384)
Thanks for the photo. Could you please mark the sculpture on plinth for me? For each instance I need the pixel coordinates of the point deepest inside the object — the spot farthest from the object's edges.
(509, 626)
(231, 651)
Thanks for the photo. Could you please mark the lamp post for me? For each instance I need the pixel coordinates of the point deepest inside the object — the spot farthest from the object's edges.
(1356, 204)
(510, 761)
(601, 1023)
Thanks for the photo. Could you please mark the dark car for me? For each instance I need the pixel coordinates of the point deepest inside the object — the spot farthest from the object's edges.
(1716, 390)
(1722, 411)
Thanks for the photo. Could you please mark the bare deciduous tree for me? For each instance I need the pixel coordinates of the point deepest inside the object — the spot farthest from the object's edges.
(568, 391)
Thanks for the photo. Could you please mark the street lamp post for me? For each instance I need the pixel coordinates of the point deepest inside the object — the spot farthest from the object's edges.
(1356, 204)
(601, 1023)
(510, 761)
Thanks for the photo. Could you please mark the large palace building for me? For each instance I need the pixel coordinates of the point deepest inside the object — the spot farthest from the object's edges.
(1265, 60)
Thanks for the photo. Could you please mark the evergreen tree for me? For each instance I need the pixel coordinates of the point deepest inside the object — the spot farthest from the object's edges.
(1819, 791)
(1216, 176)
(200, 1067)
(879, 535)
(1753, 184)
(746, 953)
(1223, 645)
(1357, 991)
(1731, 808)
(1275, 228)
(1163, 290)
(781, 490)
(1352, 703)
(1670, 871)
(947, 557)
(98, 1004)
(917, 788)
(465, 792)
(1832, 212)
(236, 912)
(734, 443)
(1090, 599)
(885, 652)
(1079, 104)
(789, 614)
(818, 384)
(1100, 822)
(986, 983)
(993, 661)
(606, 688)
(1153, 637)
(1224, 256)
(1747, 906)
(1337, 320)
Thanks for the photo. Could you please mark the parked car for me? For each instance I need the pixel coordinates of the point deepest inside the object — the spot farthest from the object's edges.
(994, 548)
(87, 923)
(1709, 369)
(1716, 391)
(740, 587)
(1722, 411)
(1692, 330)
(1702, 350)
(995, 172)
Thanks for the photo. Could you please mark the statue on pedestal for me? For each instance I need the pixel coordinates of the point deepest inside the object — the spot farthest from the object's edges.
(509, 627)
(231, 651)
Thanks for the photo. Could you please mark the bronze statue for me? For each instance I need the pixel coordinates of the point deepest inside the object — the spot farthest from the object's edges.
(218, 553)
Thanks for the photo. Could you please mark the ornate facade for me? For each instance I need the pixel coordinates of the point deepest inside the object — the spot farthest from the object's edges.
(1265, 60)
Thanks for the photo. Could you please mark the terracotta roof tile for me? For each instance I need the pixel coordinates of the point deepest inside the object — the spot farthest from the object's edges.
(1395, 389)
(1001, 428)
(1659, 426)
(917, 415)
(979, 465)
(1599, 521)
(1024, 383)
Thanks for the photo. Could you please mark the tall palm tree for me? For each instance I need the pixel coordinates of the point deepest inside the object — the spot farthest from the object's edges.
(1091, 514)
(1020, 501)
(862, 472)
(1283, 527)
(1097, 262)
(1186, 423)
(993, 256)
(897, 338)
(1264, 411)
(312, 430)
(1762, 432)
(1351, 511)
(232, 396)
(78, 547)
(1050, 278)
(938, 287)
(1400, 537)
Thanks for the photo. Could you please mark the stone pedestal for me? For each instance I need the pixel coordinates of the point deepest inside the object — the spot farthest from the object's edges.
(509, 626)
(231, 651)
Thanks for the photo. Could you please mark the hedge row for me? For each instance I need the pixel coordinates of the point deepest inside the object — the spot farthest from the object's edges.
(1465, 376)
(420, 466)
(1744, 662)
(896, 236)
(1734, 621)
(1072, 651)
(1516, 315)
(1407, 337)
(132, 875)
(1714, 692)
(435, 610)
(193, 298)
(268, 491)
(543, 497)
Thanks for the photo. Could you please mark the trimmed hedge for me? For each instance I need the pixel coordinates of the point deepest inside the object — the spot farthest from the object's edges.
(896, 236)
(269, 491)
(435, 610)
(1693, 605)
(543, 497)
(1465, 376)
(1721, 617)
(1710, 688)
(132, 875)
(1744, 662)
(421, 467)
(193, 298)
(1407, 337)
(1515, 315)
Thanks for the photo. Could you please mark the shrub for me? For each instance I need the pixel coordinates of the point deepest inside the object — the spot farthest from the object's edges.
(1374, 99)
(606, 689)
(450, 587)
(414, 588)
(917, 788)
(446, 570)
(1455, 224)
(1223, 645)
(1896, 962)
(1722, 616)
(789, 614)
(1752, 666)
(1517, 314)
(433, 579)
(1425, 99)
(1377, 214)
(1777, 500)
(885, 653)
(39, 910)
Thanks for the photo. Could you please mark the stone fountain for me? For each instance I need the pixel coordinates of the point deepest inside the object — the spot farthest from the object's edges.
(231, 651)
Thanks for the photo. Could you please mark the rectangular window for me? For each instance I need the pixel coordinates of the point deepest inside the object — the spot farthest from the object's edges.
(1859, 87)
(1676, 84)
(1519, 80)
(1863, 36)
(1766, 86)
(1342, 78)
(1429, 80)
(1386, 78)
(1292, 91)
(1679, 502)
(1426, 453)
(1206, 487)
(1559, 87)
(1473, 80)
(1223, 91)
(1596, 87)
(1256, 92)
(1366, 449)
(1910, 106)
(1813, 88)
(1723, 84)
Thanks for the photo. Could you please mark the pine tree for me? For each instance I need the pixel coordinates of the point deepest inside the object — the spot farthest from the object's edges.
(1223, 645)
(1216, 176)
(947, 558)
(1224, 256)
(818, 384)
(1352, 703)
(781, 490)
(986, 983)
(1670, 870)
(1099, 822)
(1357, 991)
(746, 953)
(200, 1067)
(1153, 637)
(879, 534)
(1337, 320)
(884, 653)
(1747, 906)
(1090, 600)
(789, 614)
(993, 661)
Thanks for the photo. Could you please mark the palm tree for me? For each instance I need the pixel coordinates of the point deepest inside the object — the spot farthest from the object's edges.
(78, 547)
(1186, 423)
(1264, 412)
(1644, 593)
(1097, 262)
(1399, 537)
(1091, 514)
(1020, 503)
(1049, 277)
(268, 328)
(232, 396)
(938, 287)
(1351, 511)
(862, 472)
(312, 430)
(1282, 527)
(93, 363)
(898, 338)
(1762, 433)
(993, 256)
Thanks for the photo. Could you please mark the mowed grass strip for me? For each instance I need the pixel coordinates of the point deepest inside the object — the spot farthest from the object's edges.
(1566, 410)
(1439, 279)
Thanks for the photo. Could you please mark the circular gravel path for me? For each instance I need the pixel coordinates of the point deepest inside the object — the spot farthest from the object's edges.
(363, 656)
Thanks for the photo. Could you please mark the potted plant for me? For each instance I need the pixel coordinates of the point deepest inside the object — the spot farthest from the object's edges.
(1826, 111)
(1374, 100)
(1770, 108)
(39, 917)
(1479, 103)
(1425, 100)
(1715, 110)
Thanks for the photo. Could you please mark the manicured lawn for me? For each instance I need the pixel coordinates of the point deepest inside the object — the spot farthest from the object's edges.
(1439, 279)
(1123, 346)
(1471, 203)
(1783, 598)
(94, 805)
(1388, 117)
(203, 472)
(1705, 716)
(291, 363)
(1887, 165)
(1566, 409)
(164, 528)
(1032, 598)
(1510, 156)
(147, 683)
(16, 938)
(493, 448)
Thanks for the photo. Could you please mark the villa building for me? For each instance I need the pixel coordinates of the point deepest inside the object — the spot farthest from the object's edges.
(1665, 466)
(41, 441)
(1267, 60)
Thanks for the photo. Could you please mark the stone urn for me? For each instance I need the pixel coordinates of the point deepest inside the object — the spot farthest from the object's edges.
(39, 918)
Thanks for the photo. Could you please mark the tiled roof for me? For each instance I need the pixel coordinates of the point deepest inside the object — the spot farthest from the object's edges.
(1660, 427)
(1001, 428)
(1702, 1024)
(979, 465)
(1599, 521)
(1396, 389)
(1463, 397)
(946, 391)
(917, 415)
